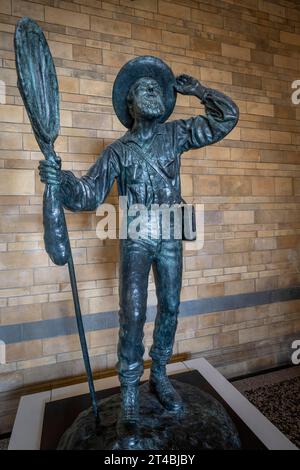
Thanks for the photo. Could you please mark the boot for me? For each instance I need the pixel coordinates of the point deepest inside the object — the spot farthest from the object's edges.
(128, 420)
(161, 386)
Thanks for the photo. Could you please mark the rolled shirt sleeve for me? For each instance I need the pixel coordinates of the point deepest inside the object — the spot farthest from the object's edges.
(221, 116)
(87, 192)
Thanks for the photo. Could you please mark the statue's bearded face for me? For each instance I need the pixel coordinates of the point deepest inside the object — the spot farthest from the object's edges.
(145, 99)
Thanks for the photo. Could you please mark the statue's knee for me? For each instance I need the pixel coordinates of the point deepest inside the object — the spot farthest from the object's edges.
(172, 309)
(132, 316)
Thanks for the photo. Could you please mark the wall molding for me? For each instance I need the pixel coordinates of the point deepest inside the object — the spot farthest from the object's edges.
(98, 321)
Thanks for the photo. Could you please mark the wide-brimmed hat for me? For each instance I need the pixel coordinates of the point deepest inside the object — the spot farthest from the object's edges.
(140, 67)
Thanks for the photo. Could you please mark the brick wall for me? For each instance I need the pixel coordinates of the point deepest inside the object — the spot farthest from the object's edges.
(249, 183)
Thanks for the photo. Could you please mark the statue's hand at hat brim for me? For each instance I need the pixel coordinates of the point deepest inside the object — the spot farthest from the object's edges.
(187, 85)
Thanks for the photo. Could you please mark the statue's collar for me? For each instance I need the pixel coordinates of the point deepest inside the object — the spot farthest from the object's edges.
(131, 136)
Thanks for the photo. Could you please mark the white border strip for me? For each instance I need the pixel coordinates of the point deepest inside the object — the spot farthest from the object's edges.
(27, 430)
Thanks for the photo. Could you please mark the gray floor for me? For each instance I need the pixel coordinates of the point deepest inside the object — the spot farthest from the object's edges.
(270, 378)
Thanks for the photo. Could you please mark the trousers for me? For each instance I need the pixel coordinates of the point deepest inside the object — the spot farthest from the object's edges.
(136, 259)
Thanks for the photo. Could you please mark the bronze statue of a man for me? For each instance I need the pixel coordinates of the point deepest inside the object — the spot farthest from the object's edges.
(144, 96)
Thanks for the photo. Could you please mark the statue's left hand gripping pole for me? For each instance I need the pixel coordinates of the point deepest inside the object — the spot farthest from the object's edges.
(38, 86)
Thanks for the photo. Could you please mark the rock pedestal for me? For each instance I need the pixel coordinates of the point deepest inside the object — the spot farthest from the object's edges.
(204, 424)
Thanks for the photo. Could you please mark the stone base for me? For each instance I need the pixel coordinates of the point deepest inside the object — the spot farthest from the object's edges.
(204, 424)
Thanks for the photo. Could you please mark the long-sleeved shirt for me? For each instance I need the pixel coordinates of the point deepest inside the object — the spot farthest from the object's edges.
(136, 179)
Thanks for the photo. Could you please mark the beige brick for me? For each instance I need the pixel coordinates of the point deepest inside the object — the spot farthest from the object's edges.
(224, 340)
(263, 186)
(237, 245)
(5, 7)
(9, 76)
(236, 52)
(241, 315)
(204, 17)
(17, 182)
(207, 185)
(24, 350)
(212, 272)
(187, 293)
(265, 243)
(96, 254)
(30, 143)
(6, 41)
(286, 62)
(22, 8)
(281, 329)
(11, 113)
(211, 320)
(32, 363)
(255, 135)
(143, 33)
(116, 28)
(18, 278)
(23, 260)
(272, 8)
(247, 81)
(63, 308)
(247, 155)
(229, 260)
(175, 39)
(193, 263)
(106, 337)
(239, 287)
(290, 241)
(196, 345)
(205, 45)
(260, 257)
(236, 185)
(92, 55)
(10, 141)
(67, 18)
(218, 153)
(141, 4)
(260, 109)
(171, 9)
(283, 186)
(68, 84)
(239, 217)
(20, 314)
(187, 185)
(65, 118)
(297, 186)
(211, 290)
(115, 59)
(261, 57)
(249, 335)
(61, 344)
(61, 50)
(95, 87)
(84, 145)
(92, 120)
(278, 137)
(20, 223)
(266, 283)
(290, 38)
(104, 304)
(216, 75)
